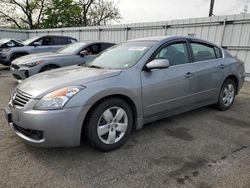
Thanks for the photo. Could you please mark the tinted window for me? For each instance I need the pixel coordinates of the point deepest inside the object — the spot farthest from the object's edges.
(105, 46)
(60, 41)
(176, 53)
(203, 52)
(94, 49)
(45, 41)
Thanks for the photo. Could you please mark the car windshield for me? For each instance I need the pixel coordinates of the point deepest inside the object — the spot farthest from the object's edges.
(72, 48)
(123, 55)
(30, 40)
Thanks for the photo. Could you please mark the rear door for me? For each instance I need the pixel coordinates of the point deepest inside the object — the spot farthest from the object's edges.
(169, 89)
(58, 42)
(208, 68)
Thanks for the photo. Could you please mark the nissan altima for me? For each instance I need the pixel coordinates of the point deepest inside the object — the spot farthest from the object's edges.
(127, 86)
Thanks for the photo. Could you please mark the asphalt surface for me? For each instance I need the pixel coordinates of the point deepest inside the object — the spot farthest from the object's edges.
(203, 148)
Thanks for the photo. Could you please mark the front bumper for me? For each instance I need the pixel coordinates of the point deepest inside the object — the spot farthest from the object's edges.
(19, 73)
(55, 128)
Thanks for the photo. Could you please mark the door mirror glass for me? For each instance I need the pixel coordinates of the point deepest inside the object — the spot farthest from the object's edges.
(84, 53)
(158, 64)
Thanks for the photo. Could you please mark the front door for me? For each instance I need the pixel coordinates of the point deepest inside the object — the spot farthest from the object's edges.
(168, 89)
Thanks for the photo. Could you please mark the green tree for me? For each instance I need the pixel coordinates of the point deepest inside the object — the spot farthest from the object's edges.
(62, 13)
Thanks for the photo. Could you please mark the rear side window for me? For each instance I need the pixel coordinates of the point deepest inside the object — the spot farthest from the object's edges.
(203, 52)
(60, 41)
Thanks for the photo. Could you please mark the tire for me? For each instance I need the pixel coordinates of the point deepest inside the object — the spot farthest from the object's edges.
(48, 67)
(107, 134)
(227, 95)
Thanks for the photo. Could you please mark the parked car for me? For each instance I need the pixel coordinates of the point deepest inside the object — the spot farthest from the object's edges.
(72, 54)
(125, 87)
(48, 43)
(8, 43)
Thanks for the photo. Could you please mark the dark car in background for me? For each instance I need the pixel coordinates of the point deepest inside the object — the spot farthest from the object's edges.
(72, 54)
(38, 44)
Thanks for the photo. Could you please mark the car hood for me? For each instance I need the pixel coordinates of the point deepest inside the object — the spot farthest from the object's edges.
(41, 84)
(38, 57)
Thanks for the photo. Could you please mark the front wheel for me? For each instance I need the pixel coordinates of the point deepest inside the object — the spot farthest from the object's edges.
(227, 95)
(109, 124)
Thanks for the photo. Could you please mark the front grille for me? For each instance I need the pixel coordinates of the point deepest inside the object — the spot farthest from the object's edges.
(20, 98)
(34, 134)
(15, 66)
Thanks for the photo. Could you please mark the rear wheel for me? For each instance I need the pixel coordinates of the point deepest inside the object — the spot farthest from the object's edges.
(227, 95)
(49, 67)
(109, 124)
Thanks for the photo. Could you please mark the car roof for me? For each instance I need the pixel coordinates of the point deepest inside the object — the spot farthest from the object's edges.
(173, 37)
(94, 41)
(61, 36)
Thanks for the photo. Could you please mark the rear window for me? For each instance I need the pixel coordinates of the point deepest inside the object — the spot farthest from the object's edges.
(203, 52)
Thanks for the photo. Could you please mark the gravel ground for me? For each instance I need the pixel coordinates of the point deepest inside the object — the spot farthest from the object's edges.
(203, 148)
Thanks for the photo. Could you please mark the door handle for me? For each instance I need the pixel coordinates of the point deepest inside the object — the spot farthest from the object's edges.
(222, 66)
(189, 75)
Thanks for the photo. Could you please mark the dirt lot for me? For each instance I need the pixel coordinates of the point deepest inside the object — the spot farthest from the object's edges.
(203, 148)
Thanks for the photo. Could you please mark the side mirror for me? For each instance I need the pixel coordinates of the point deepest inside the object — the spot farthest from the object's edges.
(36, 44)
(84, 53)
(158, 64)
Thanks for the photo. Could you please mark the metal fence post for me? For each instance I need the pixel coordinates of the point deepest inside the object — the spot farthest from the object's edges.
(223, 31)
(126, 29)
(99, 34)
(166, 27)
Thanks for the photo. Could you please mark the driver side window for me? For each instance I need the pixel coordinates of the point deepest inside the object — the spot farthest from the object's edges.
(175, 53)
(93, 49)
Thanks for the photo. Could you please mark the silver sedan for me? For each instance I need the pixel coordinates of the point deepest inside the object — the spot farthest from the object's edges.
(122, 89)
(73, 54)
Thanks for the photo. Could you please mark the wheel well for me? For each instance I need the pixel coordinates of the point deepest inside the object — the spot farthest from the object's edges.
(19, 54)
(235, 79)
(50, 65)
(125, 98)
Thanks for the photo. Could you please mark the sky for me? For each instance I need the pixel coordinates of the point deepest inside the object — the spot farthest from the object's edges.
(133, 11)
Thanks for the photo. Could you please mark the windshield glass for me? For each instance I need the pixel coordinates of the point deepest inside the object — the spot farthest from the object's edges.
(30, 40)
(72, 48)
(123, 55)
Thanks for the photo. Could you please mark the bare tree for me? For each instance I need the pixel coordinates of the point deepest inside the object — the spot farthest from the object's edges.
(98, 12)
(85, 6)
(22, 13)
(103, 12)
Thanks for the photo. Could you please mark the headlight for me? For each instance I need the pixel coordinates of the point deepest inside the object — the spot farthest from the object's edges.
(57, 99)
(32, 64)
